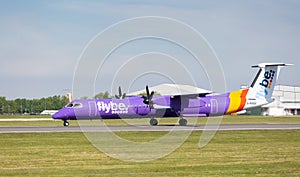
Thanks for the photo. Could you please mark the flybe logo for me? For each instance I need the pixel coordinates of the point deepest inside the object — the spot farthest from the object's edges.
(267, 81)
(114, 108)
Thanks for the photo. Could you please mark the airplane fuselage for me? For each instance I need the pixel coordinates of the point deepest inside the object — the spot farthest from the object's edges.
(169, 106)
(191, 105)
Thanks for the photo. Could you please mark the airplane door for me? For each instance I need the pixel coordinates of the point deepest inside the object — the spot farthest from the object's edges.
(92, 109)
(213, 106)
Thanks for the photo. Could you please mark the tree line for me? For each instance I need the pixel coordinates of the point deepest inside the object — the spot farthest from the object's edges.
(36, 106)
(31, 106)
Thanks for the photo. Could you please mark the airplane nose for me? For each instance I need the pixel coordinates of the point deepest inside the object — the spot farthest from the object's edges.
(57, 115)
(63, 114)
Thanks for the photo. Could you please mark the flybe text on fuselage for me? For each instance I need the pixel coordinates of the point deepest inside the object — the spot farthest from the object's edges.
(114, 108)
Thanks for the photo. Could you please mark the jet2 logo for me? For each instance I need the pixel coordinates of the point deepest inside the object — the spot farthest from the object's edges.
(267, 81)
(114, 108)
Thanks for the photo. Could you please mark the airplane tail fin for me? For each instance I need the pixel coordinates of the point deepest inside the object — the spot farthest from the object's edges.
(263, 85)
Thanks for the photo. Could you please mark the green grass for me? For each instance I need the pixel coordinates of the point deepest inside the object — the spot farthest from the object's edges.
(230, 153)
(260, 119)
(34, 123)
(16, 116)
(163, 121)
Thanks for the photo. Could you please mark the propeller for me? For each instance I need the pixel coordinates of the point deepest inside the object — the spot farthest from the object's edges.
(148, 97)
(120, 96)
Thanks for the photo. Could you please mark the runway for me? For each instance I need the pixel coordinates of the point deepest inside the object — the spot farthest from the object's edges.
(223, 127)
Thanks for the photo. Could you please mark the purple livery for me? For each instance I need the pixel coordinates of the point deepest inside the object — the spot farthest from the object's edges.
(191, 105)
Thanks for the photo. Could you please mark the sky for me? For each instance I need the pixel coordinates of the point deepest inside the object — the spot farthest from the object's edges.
(42, 42)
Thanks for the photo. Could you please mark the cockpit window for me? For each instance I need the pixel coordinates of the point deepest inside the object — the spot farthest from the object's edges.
(74, 105)
(77, 105)
(69, 105)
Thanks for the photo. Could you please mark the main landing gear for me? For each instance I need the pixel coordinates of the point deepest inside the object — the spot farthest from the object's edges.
(153, 122)
(66, 123)
(182, 122)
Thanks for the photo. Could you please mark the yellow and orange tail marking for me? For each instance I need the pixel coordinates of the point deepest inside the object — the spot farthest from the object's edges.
(243, 99)
(237, 101)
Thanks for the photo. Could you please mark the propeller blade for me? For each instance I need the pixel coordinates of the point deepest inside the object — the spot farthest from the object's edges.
(148, 97)
(147, 90)
(121, 95)
(151, 95)
(120, 91)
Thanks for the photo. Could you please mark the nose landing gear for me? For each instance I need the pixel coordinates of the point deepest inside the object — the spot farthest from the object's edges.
(66, 123)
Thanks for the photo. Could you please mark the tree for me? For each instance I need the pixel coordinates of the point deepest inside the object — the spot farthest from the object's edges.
(2, 104)
(102, 95)
(84, 98)
(22, 105)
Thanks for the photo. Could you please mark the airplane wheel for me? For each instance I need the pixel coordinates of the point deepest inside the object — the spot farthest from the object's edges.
(66, 123)
(182, 122)
(153, 122)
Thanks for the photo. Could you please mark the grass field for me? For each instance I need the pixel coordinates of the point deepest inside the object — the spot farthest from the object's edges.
(163, 121)
(14, 116)
(230, 153)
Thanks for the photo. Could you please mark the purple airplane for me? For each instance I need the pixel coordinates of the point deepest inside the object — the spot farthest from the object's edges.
(190, 105)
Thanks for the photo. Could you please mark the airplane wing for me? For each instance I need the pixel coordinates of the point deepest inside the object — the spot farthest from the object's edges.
(192, 95)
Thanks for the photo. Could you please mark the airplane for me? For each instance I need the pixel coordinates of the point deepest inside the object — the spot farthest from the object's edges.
(187, 105)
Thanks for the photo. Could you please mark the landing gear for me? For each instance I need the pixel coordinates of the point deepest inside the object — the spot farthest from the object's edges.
(66, 123)
(153, 122)
(182, 122)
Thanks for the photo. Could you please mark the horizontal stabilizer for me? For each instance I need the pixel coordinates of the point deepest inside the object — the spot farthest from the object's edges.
(263, 65)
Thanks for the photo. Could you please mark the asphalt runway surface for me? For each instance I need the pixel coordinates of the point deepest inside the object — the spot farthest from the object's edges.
(223, 127)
